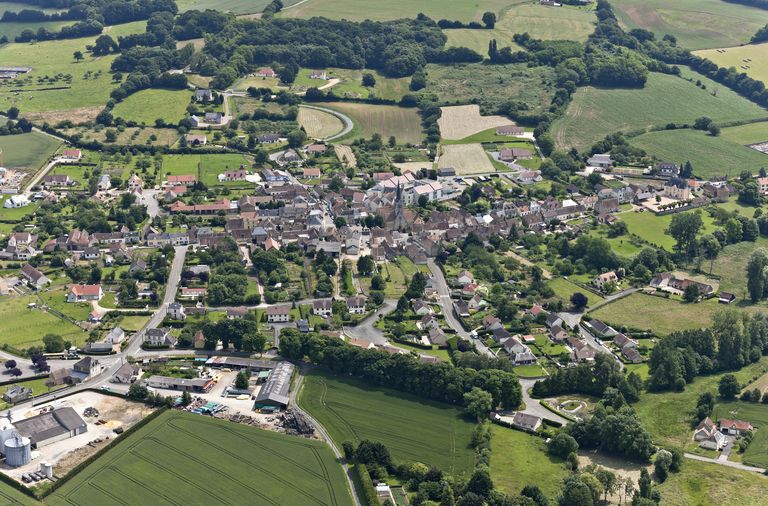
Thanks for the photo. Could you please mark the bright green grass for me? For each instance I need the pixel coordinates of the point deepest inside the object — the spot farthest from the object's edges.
(697, 24)
(14, 29)
(27, 151)
(57, 300)
(412, 428)
(519, 459)
(564, 289)
(358, 10)
(651, 228)
(38, 386)
(17, 213)
(639, 369)
(148, 105)
(595, 112)
(172, 458)
(757, 415)
(489, 136)
(442, 354)
(212, 165)
(351, 84)
(54, 57)
(387, 120)
(702, 483)
(710, 156)
(750, 133)
(731, 266)
(668, 415)
(756, 68)
(233, 6)
(21, 327)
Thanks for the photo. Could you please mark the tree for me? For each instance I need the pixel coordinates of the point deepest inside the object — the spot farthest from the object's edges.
(728, 387)
(137, 392)
(365, 265)
(691, 293)
(683, 228)
(662, 465)
(489, 20)
(575, 492)
(714, 130)
(535, 493)
(242, 380)
(78, 55)
(54, 343)
(10, 364)
(710, 248)
(480, 483)
(378, 283)
(186, 398)
(12, 112)
(369, 81)
(562, 445)
(609, 482)
(579, 301)
(296, 138)
(16, 372)
(756, 274)
(478, 403)
(117, 77)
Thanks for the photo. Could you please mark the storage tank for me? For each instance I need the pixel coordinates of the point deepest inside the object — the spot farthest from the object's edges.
(18, 450)
(6, 431)
(47, 469)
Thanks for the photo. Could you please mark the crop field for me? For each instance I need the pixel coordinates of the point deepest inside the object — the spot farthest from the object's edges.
(697, 24)
(357, 10)
(519, 459)
(319, 124)
(211, 165)
(351, 86)
(749, 59)
(387, 120)
(27, 151)
(148, 105)
(412, 428)
(704, 483)
(466, 159)
(596, 112)
(756, 414)
(460, 121)
(22, 327)
(710, 156)
(191, 459)
(345, 155)
(148, 135)
(751, 133)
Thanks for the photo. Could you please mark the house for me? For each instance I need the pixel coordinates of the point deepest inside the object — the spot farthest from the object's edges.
(105, 183)
(192, 293)
(762, 183)
(552, 320)
(512, 345)
(82, 293)
(735, 427)
(182, 180)
(558, 333)
(176, 311)
(203, 95)
(57, 180)
(676, 188)
(602, 161)
(115, 336)
(16, 394)
(198, 341)
(196, 140)
(356, 304)
(708, 436)
(585, 354)
(278, 314)
(196, 385)
(465, 277)
(312, 172)
(461, 308)
(16, 201)
(127, 373)
(603, 279)
(303, 325)
(437, 337)
(316, 149)
(428, 322)
(510, 130)
(322, 307)
(135, 183)
(319, 74)
(266, 72)
(361, 343)
(421, 308)
(632, 355)
(490, 322)
(623, 341)
(667, 169)
(159, 338)
(528, 423)
(601, 329)
(726, 298)
(71, 154)
(214, 118)
(267, 138)
(34, 277)
(87, 366)
(528, 177)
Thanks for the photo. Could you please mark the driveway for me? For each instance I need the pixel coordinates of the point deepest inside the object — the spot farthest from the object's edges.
(726, 463)
(532, 406)
(366, 329)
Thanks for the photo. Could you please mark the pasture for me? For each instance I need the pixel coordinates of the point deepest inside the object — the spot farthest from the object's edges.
(357, 10)
(652, 228)
(756, 414)
(233, 6)
(27, 152)
(387, 120)
(460, 121)
(697, 24)
(595, 112)
(749, 59)
(704, 483)
(146, 106)
(22, 327)
(465, 158)
(751, 133)
(170, 460)
(319, 124)
(519, 459)
(350, 84)
(210, 166)
(710, 156)
(13, 29)
(731, 265)
(412, 428)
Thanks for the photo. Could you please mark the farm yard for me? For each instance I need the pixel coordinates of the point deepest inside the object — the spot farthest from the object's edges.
(596, 112)
(465, 158)
(387, 120)
(145, 106)
(697, 24)
(27, 152)
(356, 10)
(351, 411)
(292, 470)
(460, 121)
(319, 124)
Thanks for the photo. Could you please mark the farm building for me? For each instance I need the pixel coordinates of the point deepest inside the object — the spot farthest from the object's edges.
(275, 391)
(241, 363)
(52, 426)
(16, 394)
(197, 385)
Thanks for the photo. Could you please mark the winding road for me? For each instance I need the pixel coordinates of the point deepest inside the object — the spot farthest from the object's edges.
(348, 123)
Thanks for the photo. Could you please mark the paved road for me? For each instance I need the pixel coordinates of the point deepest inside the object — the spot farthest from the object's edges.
(598, 346)
(149, 199)
(726, 463)
(366, 329)
(348, 124)
(532, 406)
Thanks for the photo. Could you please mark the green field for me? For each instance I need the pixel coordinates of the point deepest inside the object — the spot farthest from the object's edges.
(359, 10)
(595, 112)
(21, 327)
(702, 483)
(181, 458)
(756, 67)
(233, 6)
(212, 165)
(750, 133)
(652, 228)
(756, 414)
(412, 428)
(731, 265)
(148, 105)
(519, 459)
(351, 84)
(27, 151)
(564, 289)
(387, 120)
(710, 156)
(14, 29)
(697, 24)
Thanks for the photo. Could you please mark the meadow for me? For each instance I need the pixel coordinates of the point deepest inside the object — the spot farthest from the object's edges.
(357, 10)
(13, 29)
(731, 265)
(387, 120)
(27, 151)
(319, 124)
(757, 67)
(519, 459)
(595, 112)
(704, 483)
(565, 289)
(233, 6)
(710, 156)
(756, 414)
(388, 88)
(751, 133)
(652, 228)
(169, 460)
(412, 428)
(697, 24)
(210, 165)
(148, 105)
(22, 327)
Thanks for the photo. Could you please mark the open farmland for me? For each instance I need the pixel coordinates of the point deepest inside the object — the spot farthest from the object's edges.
(749, 59)
(731, 264)
(704, 483)
(596, 112)
(387, 120)
(466, 159)
(458, 122)
(148, 105)
(756, 414)
(359, 10)
(137, 135)
(710, 156)
(27, 151)
(192, 459)
(13, 29)
(697, 24)
(412, 428)
(751, 133)
(210, 166)
(22, 327)
(319, 124)
(345, 155)
(233, 6)
(350, 84)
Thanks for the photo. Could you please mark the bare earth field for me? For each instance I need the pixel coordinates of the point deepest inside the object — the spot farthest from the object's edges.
(458, 122)
(345, 155)
(319, 124)
(466, 159)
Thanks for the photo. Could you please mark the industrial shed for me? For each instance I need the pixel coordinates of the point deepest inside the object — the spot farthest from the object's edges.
(275, 392)
(51, 426)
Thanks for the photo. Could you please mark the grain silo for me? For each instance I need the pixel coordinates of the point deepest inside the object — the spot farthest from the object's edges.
(18, 450)
(6, 431)
(47, 469)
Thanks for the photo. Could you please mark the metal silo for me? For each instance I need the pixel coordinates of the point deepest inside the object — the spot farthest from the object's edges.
(18, 450)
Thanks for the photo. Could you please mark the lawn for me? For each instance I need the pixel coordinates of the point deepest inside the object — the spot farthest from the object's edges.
(27, 151)
(697, 24)
(652, 228)
(37, 386)
(210, 165)
(387, 120)
(359, 10)
(56, 299)
(565, 289)
(595, 112)
(351, 84)
(668, 416)
(710, 156)
(319, 124)
(171, 460)
(519, 459)
(751, 133)
(21, 327)
(702, 483)
(133, 323)
(148, 105)
(412, 428)
(757, 415)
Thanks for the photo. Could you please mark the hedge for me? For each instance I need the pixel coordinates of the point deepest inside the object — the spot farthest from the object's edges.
(18, 486)
(370, 498)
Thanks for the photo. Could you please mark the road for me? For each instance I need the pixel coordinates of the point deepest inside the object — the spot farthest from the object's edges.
(726, 463)
(149, 199)
(532, 406)
(348, 124)
(366, 328)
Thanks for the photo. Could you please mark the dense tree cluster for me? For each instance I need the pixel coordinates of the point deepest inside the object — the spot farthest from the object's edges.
(590, 380)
